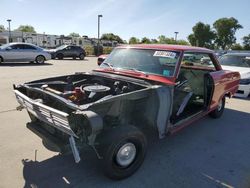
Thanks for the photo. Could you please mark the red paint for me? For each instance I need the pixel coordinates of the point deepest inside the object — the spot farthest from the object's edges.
(225, 82)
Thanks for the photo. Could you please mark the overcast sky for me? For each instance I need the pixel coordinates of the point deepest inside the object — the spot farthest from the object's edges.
(126, 18)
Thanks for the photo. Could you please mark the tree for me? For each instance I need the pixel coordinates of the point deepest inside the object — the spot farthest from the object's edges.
(236, 46)
(182, 42)
(73, 34)
(154, 41)
(162, 39)
(225, 32)
(26, 28)
(112, 37)
(165, 40)
(145, 40)
(202, 35)
(246, 42)
(134, 40)
(2, 28)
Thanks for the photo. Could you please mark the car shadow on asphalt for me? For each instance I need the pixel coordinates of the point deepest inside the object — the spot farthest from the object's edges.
(23, 64)
(209, 153)
(70, 59)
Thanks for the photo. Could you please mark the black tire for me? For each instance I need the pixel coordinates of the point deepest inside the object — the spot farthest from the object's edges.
(1, 59)
(81, 56)
(112, 142)
(219, 110)
(59, 56)
(40, 59)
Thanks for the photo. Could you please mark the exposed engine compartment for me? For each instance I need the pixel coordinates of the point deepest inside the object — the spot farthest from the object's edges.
(79, 89)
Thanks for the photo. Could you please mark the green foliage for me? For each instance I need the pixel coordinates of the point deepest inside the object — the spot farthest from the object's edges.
(107, 50)
(202, 35)
(74, 34)
(246, 42)
(89, 50)
(2, 28)
(134, 40)
(162, 39)
(112, 37)
(182, 42)
(154, 41)
(237, 46)
(145, 40)
(225, 32)
(26, 28)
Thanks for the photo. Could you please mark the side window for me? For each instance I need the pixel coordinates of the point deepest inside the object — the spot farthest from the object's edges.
(28, 47)
(68, 48)
(17, 47)
(201, 60)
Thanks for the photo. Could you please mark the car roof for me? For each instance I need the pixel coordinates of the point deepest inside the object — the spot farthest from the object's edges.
(14, 43)
(238, 54)
(167, 47)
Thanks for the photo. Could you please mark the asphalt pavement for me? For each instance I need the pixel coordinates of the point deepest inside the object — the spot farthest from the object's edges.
(209, 153)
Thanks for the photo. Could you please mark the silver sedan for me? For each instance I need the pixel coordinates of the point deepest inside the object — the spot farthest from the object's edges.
(21, 52)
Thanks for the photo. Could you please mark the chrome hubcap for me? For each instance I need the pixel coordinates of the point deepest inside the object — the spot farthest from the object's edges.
(40, 59)
(126, 154)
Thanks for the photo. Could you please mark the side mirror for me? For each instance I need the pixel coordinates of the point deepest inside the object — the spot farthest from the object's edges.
(8, 48)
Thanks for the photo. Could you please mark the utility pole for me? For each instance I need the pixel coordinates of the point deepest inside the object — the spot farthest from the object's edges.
(98, 42)
(176, 33)
(10, 39)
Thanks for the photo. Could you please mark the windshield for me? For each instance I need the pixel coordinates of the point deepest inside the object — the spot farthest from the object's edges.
(159, 62)
(4, 46)
(61, 47)
(234, 60)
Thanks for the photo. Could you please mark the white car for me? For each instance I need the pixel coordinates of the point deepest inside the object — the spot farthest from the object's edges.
(239, 62)
(21, 52)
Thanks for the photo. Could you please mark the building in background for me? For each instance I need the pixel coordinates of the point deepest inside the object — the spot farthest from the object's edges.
(51, 41)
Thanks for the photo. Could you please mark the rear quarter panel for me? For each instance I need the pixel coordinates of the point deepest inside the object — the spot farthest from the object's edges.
(225, 83)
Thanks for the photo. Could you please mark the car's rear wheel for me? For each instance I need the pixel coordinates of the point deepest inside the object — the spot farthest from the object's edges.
(59, 56)
(123, 150)
(1, 59)
(219, 110)
(40, 59)
(81, 56)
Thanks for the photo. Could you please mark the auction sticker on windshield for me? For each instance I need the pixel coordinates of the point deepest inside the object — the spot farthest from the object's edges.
(165, 54)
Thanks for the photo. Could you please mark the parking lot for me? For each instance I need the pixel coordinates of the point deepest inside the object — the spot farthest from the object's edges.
(209, 153)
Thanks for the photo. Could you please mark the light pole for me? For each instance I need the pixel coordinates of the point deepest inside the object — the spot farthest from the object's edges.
(10, 40)
(98, 42)
(176, 33)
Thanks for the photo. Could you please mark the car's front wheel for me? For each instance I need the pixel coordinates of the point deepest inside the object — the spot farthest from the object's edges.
(40, 59)
(219, 110)
(59, 56)
(81, 56)
(123, 150)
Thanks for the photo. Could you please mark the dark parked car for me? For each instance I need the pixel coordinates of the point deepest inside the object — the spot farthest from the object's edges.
(68, 51)
(138, 89)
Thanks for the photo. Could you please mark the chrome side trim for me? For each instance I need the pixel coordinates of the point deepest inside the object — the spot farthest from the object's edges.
(51, 116)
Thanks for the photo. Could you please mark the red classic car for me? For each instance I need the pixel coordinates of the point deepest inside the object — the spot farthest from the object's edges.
(137, 89)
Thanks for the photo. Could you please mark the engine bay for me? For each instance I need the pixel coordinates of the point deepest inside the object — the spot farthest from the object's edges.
(82, 89)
